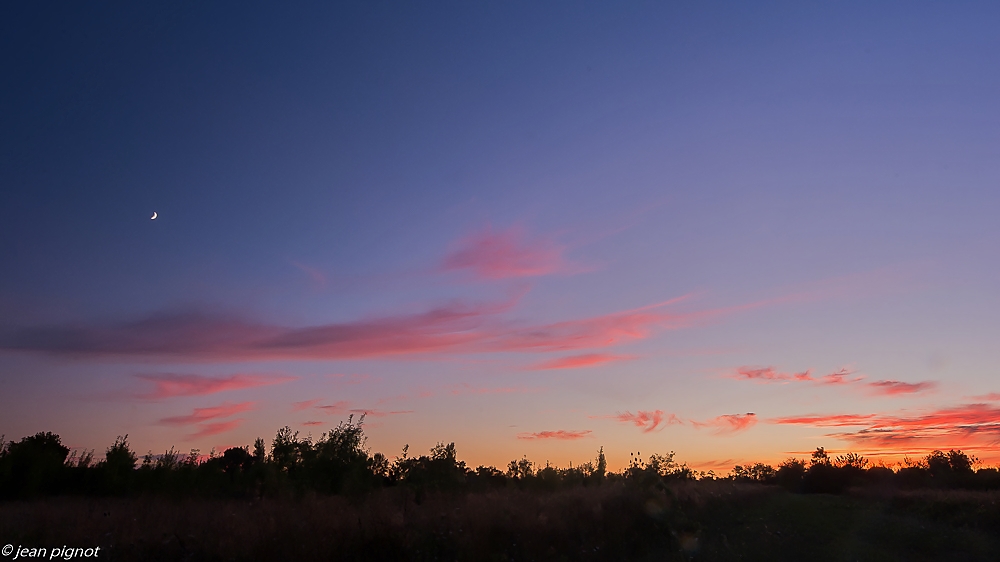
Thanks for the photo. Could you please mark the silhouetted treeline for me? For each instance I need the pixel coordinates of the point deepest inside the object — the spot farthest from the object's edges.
(941, 470)
(340, 463)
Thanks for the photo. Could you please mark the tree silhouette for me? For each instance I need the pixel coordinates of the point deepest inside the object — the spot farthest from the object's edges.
(119, 464)
(953, 468)
(339, 462)
(819, 456)
(601, 468)
(286, 451)
(520, 469)
(757, 472)
(236, 459)
(341, 459)
(851, 460)
(34, 465)
(790, 474)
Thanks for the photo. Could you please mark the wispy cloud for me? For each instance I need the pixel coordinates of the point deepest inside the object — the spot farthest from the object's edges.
(560, 434)
(892, 388)
(490, 254)
(304, 405)
(202, 419)
(312, 423)
(316, 276)
(345, 407)
(455, 328)
(649, 421)
(221, 337)
(991, 397)
(714, 464)
(977, 424)
(578, 361)
(200, 415)
(594, 332)
(339, 407)
(842, 377)
(770, 374)
(169, 385)
(209, 429)
(646, 419)
(729, 423)
(837, 420)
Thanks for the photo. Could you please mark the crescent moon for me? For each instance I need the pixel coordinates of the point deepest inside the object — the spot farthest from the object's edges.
(153, 218)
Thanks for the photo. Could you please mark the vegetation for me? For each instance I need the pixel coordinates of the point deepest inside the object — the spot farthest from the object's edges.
(334, 499)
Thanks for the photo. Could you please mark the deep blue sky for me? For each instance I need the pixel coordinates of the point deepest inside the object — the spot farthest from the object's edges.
(315, 164)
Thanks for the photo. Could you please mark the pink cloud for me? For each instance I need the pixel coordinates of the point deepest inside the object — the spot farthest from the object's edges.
(304, 405)
(215, 428)
(969, 424)
(318, 277)
(991, 397)
(737, 422)
(595, 332)
(454, 328)
(491, 255)
(578, 361)
(730, 423)
(713, 464)
(311, 423)
(208, 337)
(169, 385)
(202, 419)
(647, 420)
(561, 434)
(335, 408)
(769, 374)
(838, 420)
(444, 329)
(892, 388)
(839, 377)
(969, 414)
(200, 415)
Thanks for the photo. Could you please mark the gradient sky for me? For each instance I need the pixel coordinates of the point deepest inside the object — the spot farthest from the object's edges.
(738, 232)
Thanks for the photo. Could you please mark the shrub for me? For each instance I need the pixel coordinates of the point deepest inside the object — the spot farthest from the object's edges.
(790, 474)
(33, 466)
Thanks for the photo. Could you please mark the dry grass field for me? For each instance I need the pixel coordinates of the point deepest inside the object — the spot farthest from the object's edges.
(695, 520)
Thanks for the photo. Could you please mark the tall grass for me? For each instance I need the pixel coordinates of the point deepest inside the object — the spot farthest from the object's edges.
(692, 520)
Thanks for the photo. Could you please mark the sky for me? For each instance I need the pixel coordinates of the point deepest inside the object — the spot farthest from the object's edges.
(734, 231)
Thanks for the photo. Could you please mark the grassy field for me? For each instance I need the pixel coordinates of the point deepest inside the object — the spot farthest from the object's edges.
(699, 520)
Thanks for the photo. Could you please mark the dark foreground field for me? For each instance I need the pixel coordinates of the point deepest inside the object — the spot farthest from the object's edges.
(705, 520)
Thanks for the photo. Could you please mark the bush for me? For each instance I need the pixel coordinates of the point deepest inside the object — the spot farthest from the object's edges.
(33, 466)
(339, 462)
